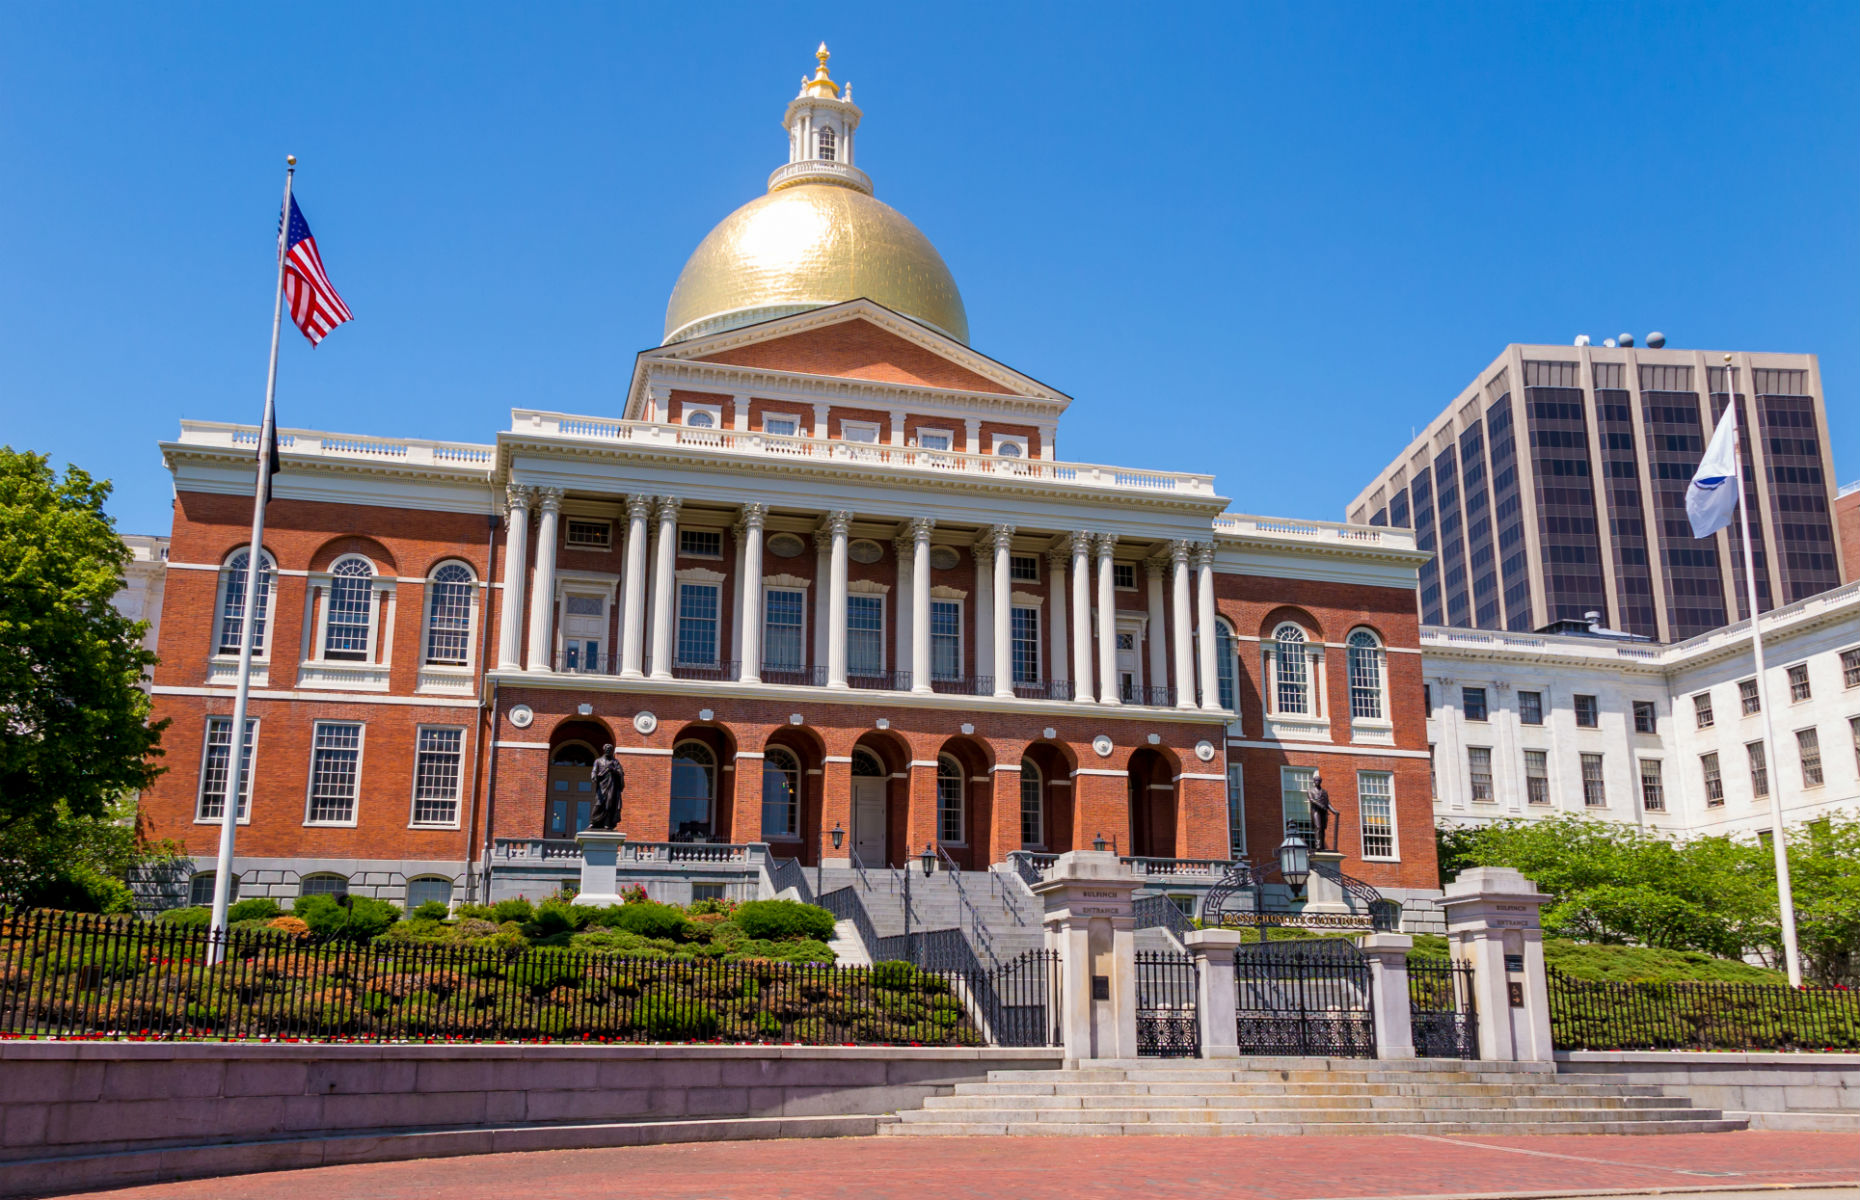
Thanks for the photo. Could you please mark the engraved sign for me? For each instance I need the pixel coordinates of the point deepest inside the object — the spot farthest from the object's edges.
(1100, 987)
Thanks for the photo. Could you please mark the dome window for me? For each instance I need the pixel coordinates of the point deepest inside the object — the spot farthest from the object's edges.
(826, 143)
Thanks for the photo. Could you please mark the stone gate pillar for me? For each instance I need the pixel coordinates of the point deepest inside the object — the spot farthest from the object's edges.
(1091, 923)
(1492, 923)
(1388, 987)
(1217, 1003)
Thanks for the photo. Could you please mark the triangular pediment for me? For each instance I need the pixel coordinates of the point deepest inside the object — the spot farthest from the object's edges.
(857, 340)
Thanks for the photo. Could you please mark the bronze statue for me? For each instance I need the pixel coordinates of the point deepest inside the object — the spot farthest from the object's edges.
(1321, 808)
(609, 784)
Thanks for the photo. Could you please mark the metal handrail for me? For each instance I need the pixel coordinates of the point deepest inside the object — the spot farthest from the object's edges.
(785, 873)
(858, 867)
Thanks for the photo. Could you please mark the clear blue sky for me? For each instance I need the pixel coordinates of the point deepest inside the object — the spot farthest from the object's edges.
(1259, 240)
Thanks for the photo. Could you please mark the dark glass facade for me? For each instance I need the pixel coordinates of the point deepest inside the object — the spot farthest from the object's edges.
(1452, 538)
(1426, 537)
(1508, 516)
(1627, 521)
(1481, 562)
(1569, 546)
(1675, 443)
(1798, 488)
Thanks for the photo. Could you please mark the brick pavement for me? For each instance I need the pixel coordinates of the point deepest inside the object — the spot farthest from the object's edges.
(1076, 1168)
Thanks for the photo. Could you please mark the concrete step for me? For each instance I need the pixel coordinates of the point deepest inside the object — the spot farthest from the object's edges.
(1484, 1091)
(1023, 1128)
(1420, 1115)
(972, 1102)
(1211, 1077)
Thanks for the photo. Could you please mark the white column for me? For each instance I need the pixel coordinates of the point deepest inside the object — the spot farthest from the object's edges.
(972, 435)
(1204, 621)
(516, 564)
(897, 427)
(1060, 656)
(739, 410)
(1081, 619)
(664, 615)
(1104, 544)
(1004, 611)
(1158, 643)
(838, 525)
(1388, 992)
(633, 608)
(984, 605)
(823, 559)
(901, 606)
(1184, 644)
(542, 584)
(749, 614)
(920, 604)
(740, 535)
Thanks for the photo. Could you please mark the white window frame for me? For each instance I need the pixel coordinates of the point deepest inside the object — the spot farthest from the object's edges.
(413, 793)
(200, 780)
(606, 527)
(377, 600)
(581, 591)
(678, 622)
(1362, 821)
(452, 888)
(1472, 792)
(999, 444)
(884, 625)
(962, 802)
(1275, 649)
(801, 659)
(715, 769)
(1226, 665)
(787, 418)
(1014, 560)
(355, 800)
(1659, 781)
(1379, 658)
(798, 801)
(1601, 778)
(1236, 810)
(1118, 570)
(1821, 762)
(1849, 658)
(961, 637)
(849, 428)
(471, 616)
(1707, 718)
(704, 554)
(1030, 770)
(1286, 820)
(948, 436)
(262, 651)
(1039, 644)
(342, 891)
(1808, 685)
(713, 411)
(1543, 756)
(1712, 768)
(1753, 752)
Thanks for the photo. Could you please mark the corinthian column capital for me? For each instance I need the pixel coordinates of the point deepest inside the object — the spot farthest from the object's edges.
(1105, 544)
(639, 506)
(549, 499)
(668, 507)
(518, 498)
(754, 515)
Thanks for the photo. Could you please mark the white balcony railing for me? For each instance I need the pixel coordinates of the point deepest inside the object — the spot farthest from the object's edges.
(310, 443)
(1335, 533)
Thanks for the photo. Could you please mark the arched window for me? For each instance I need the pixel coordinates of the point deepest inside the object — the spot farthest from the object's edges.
(200, 889)
(350, 617)
(781, 794)
(694, 787)
(1032, 806)
(949, 805)
(826, 143)
(1365, 675)
(232, 602)
(571, 789)
(1008, 449)
(1292, 676)
(865, 765)
(448, 615)
(699, 418)
(324, 885)
(1225, 666)
(425, 888)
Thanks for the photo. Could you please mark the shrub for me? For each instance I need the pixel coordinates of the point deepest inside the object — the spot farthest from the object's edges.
(431, 910)
(295, 926)
(358, 920)
(646, 918)
(781, 920)
(477, 912)
(669, 1017)
(197, 917)
(554, 917)
(258, 908)
(518, 910)
(894, 976)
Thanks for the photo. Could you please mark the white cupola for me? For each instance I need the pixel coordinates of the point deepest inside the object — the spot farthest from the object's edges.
(821, 124)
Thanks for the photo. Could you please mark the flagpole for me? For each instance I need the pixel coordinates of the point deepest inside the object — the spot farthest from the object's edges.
(1778, 838)
(254, 564)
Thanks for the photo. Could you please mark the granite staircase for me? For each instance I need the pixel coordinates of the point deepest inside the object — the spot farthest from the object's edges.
(1256, 1096)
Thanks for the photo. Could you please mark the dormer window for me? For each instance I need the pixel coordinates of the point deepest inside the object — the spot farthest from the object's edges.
(826, 143)
(699, 419)
(781, 426)
(933, 439)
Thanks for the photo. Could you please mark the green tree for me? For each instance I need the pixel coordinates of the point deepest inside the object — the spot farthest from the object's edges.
(75, 738)
(1824, 868)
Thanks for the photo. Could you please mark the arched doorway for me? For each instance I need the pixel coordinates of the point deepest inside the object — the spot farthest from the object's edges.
(571, 789)
(869, 804)
(1046, 799)
(694, 792)
(1152, 805)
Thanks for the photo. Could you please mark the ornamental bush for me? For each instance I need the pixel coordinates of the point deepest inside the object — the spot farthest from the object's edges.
(782, 920)
(357, 921)
(431, 910)
(258, 908)
(645, 918)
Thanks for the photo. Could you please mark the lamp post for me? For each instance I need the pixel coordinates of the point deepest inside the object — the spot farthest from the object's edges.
(839, 839)
(1294, 868)
(1098, 843)
(928, 860)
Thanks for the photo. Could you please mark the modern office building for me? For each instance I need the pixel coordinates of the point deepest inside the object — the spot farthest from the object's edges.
(822, 578)
(1554, 486)
(1847, 524)
(1667, 737)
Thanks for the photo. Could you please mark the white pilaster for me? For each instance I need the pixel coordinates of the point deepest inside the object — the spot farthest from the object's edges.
(1158, 644)
(1081, 619)
(1004, 611)
(1204, 621)
(633, 609)
(903, 602)
(664, 614)
(839, 523)
(740, 535)
(516, 565)
(1059, 657)
(920, 604)
(1184, 644)
(984, 605)
(1104, 544)
(749, 613)
(542, 584)
(823, 560)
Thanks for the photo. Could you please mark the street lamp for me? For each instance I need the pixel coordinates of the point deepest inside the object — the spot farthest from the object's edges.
(1098, 843)
(928, 860)
(1294, 862)
(839, 839)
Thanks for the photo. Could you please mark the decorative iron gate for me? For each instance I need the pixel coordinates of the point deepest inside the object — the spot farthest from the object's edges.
(1020, 999)
(1168, 1006)
(1304, 998)
(1440, 1008)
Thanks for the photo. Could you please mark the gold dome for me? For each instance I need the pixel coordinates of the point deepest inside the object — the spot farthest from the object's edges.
(806, 246)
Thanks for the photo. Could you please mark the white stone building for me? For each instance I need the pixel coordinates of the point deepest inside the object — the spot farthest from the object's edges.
(143, 582)
(1666, 737)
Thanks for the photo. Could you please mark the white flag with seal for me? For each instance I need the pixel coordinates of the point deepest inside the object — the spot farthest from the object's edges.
(1711, 498)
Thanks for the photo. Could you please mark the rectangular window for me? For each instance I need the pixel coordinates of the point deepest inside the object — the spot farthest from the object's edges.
(1124, 576)
(436, 760)
(1652, 792)
(784, 617)
(859, 431)
(1479, 772)
(1472, 703)
(945, 639)
(1644, 717)
(1236, 811)
(865, 635)
(1798, 683)
(1024, 568)
(1594, 795)
(1714, 783)
(1587, 714)
(1026, 647)
(1375, 805)
(1293, 804)
(1032, 810)
(1808, 745)
(1853, 723)
(217, 761)
(1537, 777)
(1427, 698)
(949, 788)
(1701, 708)
(697, 625)
(580, 533)
(700, 543)
(1433, 775)
(1530, 708)
(1850, 667)
(933, 439)
(1759, 769)
(781, 426)
(1747, 692)
(335, 772)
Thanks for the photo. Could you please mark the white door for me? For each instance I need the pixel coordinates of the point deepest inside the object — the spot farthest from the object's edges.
(1129, 668)
(868, 796)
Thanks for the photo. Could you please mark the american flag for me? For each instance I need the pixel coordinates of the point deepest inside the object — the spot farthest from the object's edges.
(315, 307)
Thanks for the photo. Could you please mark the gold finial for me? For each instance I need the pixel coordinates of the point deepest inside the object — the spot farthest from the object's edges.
(820, 85)
(290, 160)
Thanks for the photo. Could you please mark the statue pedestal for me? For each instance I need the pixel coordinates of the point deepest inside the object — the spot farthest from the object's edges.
(1322, 893)
(600, 862)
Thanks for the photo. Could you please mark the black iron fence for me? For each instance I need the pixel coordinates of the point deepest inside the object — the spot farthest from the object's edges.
(74, 975)
(1168, 1005)
(1594, 1015)
(1303, 998)
(1441, 1010)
